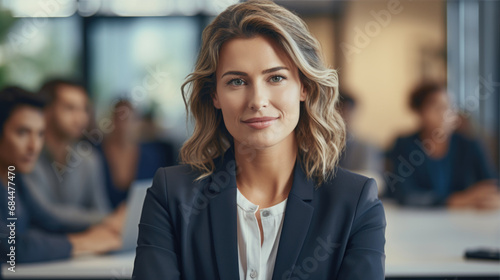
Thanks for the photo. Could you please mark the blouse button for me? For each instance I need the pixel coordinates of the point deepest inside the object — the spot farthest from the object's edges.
(265, 213)
(253, 273)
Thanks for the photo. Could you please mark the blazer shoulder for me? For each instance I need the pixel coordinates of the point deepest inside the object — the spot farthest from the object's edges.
(178, 181)
(357, 193)
(181, 171)
(346, 186)
(349, 179)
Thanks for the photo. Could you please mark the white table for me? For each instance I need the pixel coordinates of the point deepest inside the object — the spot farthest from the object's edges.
(431, 242)
(117, 266)
(420, 243)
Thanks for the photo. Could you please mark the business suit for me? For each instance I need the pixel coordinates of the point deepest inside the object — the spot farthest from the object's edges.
(189, 230)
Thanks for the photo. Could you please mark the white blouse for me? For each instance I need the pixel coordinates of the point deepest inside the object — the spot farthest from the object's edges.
(256, 262)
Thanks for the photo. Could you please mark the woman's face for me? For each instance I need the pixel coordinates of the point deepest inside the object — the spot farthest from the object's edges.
(434, 111)
(258, 91)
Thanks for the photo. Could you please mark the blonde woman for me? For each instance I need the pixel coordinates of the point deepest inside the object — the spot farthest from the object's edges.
(259, 195)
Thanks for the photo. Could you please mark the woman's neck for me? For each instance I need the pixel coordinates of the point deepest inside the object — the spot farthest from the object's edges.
(436, 143)
(265, 176)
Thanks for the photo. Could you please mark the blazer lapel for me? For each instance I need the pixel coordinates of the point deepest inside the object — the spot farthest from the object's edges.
(296, 223)
(223, 218)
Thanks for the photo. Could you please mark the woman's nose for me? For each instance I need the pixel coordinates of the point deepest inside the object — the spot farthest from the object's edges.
(258, 97)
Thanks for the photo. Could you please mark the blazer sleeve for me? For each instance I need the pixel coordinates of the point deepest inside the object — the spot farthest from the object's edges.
(364, 257)
(156, 254)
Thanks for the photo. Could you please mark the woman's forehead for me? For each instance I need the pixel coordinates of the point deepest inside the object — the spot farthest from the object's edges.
(252, 54)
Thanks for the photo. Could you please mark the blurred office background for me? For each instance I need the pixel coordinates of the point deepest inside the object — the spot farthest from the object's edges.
(143, 50)
(381, 49)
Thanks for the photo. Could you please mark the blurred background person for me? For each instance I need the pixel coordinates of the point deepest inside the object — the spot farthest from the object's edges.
(359, 156)
(125, 158)
(438, 165)
(67, 182)
(22, 127)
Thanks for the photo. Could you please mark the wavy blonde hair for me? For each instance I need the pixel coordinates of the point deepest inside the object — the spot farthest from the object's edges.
(320, 131)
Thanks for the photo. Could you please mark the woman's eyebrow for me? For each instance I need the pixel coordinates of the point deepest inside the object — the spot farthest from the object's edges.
(270, 70)
(274, 69)
(237, 73)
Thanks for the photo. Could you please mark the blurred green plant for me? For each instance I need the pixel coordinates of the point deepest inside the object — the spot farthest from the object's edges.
(6, 22)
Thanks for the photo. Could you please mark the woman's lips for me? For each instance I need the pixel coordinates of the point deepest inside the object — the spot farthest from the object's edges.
(260, 123)
(28, 159)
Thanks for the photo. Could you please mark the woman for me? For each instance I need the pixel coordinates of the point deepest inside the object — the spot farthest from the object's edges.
(259, 195)
(437, 165)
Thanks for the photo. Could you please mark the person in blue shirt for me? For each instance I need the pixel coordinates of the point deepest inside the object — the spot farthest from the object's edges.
(437, 165)
(22, 127)
(126, 159)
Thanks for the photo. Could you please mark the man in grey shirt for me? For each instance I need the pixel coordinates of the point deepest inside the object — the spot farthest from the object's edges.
(67, 183)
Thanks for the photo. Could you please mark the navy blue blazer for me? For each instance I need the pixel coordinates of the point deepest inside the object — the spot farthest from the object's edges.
(188, 230)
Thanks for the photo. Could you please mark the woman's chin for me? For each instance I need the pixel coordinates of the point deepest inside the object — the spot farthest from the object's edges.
(256, 144)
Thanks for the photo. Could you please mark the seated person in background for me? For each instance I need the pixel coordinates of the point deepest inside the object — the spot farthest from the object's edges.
(437, 165)
(22, 126)
(359, 156)
(67, 182)
(124, 158)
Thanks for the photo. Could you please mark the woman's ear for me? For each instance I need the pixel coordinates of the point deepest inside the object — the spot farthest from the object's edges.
(303, 92)
(215, 100)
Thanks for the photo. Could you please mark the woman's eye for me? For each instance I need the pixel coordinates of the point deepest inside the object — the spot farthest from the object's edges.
(22, 132)
(277, 79)
(236, 82)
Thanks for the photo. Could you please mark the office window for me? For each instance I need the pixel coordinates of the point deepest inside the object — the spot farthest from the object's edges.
(145, 60)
